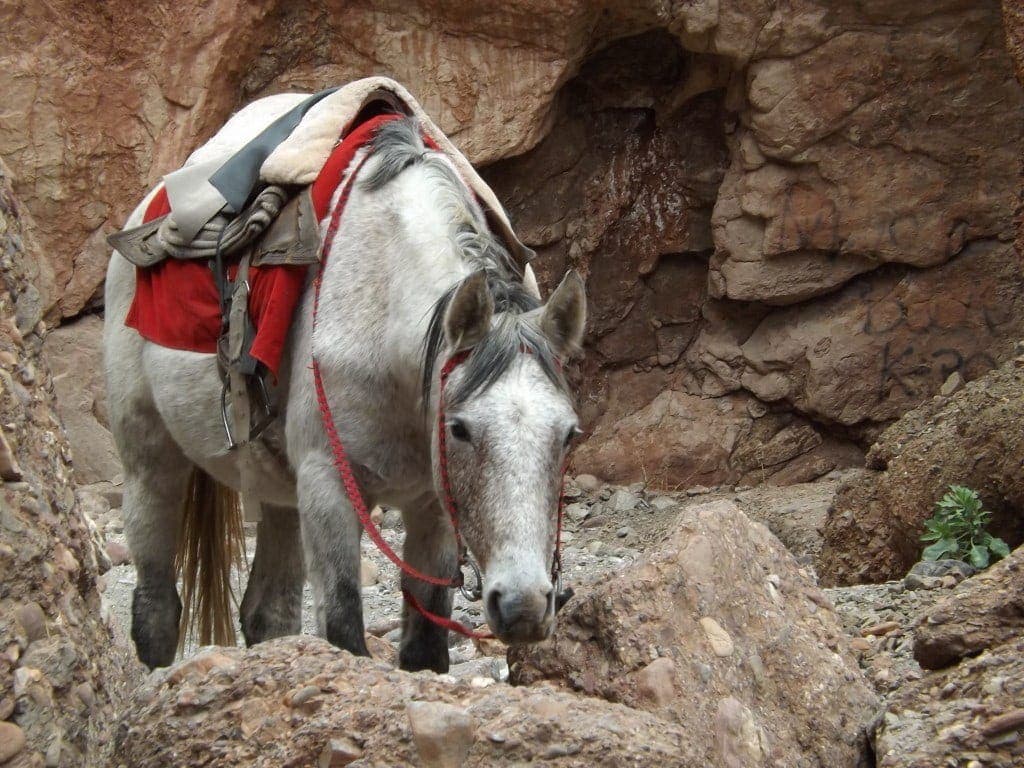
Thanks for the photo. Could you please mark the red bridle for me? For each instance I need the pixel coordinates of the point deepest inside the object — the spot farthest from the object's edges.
(352, 490)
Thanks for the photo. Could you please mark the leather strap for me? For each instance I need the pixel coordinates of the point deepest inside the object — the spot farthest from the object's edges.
(241, 406)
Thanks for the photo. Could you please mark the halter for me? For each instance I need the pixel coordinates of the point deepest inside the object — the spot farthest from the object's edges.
(355, 496)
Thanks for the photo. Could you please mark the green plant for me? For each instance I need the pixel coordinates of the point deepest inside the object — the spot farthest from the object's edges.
(958, 530)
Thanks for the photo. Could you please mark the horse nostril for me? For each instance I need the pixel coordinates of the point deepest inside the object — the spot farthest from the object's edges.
(494, 605)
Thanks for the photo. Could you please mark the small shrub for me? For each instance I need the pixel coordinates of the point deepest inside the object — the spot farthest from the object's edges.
(958, 530)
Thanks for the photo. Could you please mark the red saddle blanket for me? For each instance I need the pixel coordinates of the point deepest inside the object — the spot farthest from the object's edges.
(176, 303)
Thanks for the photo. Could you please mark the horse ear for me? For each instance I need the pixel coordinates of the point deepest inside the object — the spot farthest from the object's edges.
(530, 282)
(468, 317)
(564, 317)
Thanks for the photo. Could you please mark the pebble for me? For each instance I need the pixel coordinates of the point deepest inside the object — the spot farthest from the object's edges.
(12, 741)
(860, 644)
(577, 512)
(697, 490)
(884, 628)
(339, 752)
(369, 573)
(656, 681)
(118, 553)
(588, 483)
(625, 532)
(302, 695)
(661, 503)
(623, 501)
(721, 641)
(32, 620)
(443, 733)
(595, 547)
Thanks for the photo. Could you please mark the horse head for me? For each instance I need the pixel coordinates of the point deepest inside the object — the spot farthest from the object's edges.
(508, 423)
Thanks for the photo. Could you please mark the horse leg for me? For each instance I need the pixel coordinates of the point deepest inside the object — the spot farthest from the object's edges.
(429, 548)
(330, 539)
(156, 477)
(272, 606)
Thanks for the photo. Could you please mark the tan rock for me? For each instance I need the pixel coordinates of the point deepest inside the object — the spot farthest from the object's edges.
(656, 681)
(339, 752)
(710, 573)
(12, 741)
(393, 717)
(369, 572)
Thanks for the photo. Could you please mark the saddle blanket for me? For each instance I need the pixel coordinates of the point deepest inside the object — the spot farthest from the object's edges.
(176, 301)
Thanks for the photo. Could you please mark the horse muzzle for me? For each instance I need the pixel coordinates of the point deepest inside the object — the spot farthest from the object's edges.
(520, 613)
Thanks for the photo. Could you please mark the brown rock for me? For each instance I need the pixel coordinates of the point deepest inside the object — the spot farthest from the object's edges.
(656, 681)
(443, 733)
(241, 718)
(714, 565)
(982, 612)
(339, 752)
(47, 555)
(883, 628)
(873, 530)
(12, 741)
(983, 721)
(118, 553)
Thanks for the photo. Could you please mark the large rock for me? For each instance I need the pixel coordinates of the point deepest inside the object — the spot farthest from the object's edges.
(722, 633)
(968, 715)
(291, 700)
(982, 612)
(794, 219)
(973, 437)
(63, 674)
(74, 353)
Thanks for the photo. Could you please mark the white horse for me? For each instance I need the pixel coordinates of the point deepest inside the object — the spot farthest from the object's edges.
(412, 278)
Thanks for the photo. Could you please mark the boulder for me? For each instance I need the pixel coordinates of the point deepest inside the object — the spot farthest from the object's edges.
(63, 671)
(972, 438)
(297, 700)
(982, 612)
(721, 632)
(968, 715)
(74, 353)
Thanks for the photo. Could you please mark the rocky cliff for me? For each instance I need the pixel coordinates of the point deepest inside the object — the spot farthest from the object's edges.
(795, 219)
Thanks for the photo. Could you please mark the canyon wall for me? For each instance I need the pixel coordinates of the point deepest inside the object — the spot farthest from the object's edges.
(795, 219)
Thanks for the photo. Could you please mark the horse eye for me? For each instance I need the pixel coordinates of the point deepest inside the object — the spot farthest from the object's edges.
(459, 431)
(573, 434)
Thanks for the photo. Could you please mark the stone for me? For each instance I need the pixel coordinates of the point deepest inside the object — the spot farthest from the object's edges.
(75, 355)
(12, 741)
(577, 512)
(392, 717)
(588, 483)
(739, 740)
(954, 383)
(369, 572)
(873, 530)
(982, 612)
(656, 681)
(339, 752)
(118, 553)
(623, 501)
(675, 605)
(982, 720)
(32, 620)
(720, 640)
(882, 628)
(443, 733)
(661, 503)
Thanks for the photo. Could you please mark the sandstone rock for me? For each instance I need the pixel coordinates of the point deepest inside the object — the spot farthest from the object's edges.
(979, 720)
(369, 572)
(53, 639)
(444, 734)
(240, 717)
(873, 530)
(12, 741)
(702, 591)
(983, 612)
(339, 752)
(74, 353)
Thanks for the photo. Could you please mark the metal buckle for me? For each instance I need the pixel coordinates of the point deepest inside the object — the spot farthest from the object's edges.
(475, 592)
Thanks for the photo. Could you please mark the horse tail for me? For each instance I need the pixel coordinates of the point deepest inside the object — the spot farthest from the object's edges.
(210, 542)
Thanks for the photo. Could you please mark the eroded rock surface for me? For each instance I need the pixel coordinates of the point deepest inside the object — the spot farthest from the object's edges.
(720, 631)
(62, 671)
(288, 701)
(971, 438)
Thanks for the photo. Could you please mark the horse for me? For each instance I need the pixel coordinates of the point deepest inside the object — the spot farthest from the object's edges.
(412, 281)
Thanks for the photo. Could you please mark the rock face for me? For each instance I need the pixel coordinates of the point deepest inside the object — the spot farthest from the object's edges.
(62, 672)
(970, 714)
(299, 700)
(983, 612)
(785, 245)
(720, 632)
(971, 438)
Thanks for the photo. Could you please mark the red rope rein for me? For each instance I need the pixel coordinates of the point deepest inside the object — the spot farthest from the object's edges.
(347, 474)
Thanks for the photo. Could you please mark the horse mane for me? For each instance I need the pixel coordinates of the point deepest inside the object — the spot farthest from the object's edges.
(398, 145)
